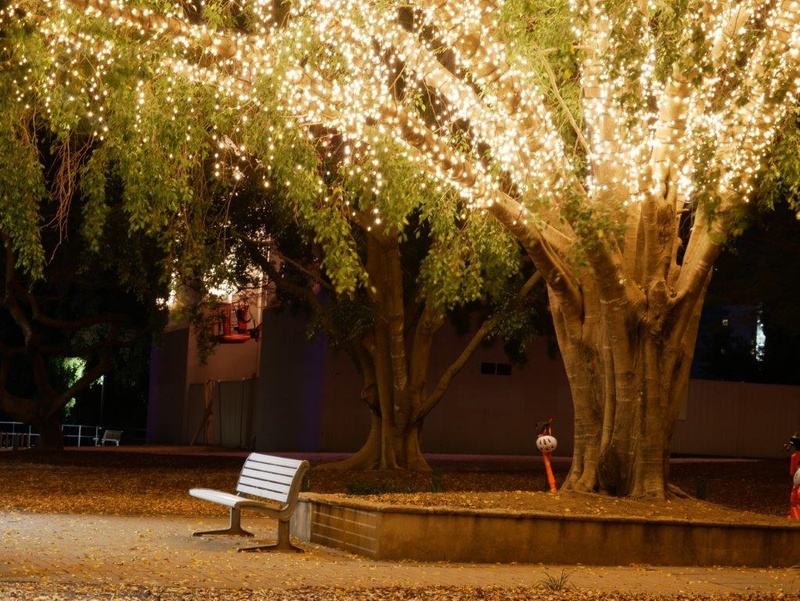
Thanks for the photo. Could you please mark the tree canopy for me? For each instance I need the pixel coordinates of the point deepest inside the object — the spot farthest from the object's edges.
(620, 143)
(97, 309)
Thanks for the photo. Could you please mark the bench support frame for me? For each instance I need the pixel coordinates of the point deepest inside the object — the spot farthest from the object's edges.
(284, 542)
(234, 529)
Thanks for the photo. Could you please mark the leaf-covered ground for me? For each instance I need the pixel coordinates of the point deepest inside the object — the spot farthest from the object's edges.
(54, 592)
(99, 481)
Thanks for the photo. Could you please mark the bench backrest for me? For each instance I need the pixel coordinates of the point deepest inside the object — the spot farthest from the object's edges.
(275, 478)
(112, 435)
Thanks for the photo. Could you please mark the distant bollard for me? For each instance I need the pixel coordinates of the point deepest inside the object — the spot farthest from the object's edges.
(701, 488)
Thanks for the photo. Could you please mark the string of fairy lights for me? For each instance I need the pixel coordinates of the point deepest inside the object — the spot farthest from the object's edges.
(473, 121)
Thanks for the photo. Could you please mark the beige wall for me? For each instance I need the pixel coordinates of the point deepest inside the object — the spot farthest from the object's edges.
(233, 361)
(737, 419)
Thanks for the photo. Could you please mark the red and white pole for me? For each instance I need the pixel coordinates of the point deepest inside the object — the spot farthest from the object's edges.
(546, 443)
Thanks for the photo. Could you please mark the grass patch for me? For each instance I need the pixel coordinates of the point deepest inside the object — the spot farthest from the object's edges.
(556, 583)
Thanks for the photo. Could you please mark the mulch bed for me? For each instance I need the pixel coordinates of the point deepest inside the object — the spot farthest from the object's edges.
(134, 483)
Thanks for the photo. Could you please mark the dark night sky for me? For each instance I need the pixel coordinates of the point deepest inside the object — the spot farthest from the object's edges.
(759, 275)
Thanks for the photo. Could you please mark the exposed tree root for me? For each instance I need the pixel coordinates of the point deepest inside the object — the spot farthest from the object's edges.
(676, 492)
(367, 458)
(355, 463)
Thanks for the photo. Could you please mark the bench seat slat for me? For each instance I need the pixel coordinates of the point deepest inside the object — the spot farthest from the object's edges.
(279, 487)
(272, 477)
(229, 500)
(263, 468)
(274, 460)
(216, 496)
(260, 492)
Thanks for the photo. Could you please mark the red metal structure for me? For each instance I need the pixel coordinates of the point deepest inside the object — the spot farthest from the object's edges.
(241, 312)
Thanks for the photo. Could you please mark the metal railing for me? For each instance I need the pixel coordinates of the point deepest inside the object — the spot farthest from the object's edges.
(79, 434)
(20, 435)
(16, 435)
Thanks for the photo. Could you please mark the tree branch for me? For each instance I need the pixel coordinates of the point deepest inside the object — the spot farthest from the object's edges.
(303, 293)
(455, 367)
(545, 256)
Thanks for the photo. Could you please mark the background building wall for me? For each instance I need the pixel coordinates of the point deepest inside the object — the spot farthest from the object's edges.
(497, 413)
(480, 413)
(165, 406)
(175, 366)
(289, 391)
(306, 398)
(737, 419)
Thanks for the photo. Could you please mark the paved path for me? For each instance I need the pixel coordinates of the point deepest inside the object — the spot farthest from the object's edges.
(145, 551)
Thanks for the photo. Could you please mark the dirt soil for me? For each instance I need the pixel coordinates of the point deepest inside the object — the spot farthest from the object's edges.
(134, 483)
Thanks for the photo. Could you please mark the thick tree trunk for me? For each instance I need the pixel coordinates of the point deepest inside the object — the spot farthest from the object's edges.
(394, 437)
(394, 365)
(412, 456)
(50, 435)
(626, 396)
(28, 411)
(394, 360)
(405, 443)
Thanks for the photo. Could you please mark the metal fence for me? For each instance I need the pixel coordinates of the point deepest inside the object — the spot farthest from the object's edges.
(16, 435)
(80, 435)
(19, 435)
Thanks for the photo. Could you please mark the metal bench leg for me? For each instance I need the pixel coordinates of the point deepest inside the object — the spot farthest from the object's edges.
(234, 529)
(283, 544)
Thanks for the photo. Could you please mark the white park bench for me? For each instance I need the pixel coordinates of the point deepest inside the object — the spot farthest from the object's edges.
(267, 483)
(114, 436)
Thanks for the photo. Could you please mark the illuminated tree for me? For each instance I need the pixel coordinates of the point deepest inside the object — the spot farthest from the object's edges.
(619, 142)
(416, 276)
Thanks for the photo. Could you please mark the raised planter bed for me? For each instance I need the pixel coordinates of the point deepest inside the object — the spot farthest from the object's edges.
(391, 532)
